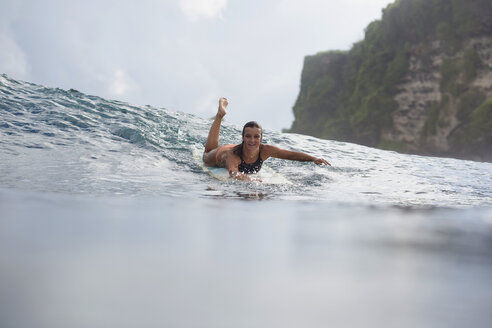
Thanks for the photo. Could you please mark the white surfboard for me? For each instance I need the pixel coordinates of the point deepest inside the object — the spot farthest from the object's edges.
(267, 175)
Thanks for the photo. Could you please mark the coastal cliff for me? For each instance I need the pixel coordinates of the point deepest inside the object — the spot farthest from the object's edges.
(420, 82)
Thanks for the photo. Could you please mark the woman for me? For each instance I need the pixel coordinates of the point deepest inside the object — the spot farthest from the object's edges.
(247, 157)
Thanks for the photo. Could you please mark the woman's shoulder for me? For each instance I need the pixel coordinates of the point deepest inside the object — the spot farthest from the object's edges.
(268, 148)
(267, 151)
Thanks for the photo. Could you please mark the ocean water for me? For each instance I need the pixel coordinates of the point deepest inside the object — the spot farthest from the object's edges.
(106, 220)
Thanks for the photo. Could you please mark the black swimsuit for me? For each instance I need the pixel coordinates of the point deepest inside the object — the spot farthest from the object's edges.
(250, 168)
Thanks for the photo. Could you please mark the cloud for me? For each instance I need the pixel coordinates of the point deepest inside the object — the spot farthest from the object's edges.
(120, 83)
(198, 9)
(13, 60)
(179, 54)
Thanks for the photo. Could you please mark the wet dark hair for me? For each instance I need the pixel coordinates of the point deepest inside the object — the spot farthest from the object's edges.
(238, 150)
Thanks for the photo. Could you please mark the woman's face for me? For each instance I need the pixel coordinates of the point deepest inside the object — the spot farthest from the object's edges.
(252, 137)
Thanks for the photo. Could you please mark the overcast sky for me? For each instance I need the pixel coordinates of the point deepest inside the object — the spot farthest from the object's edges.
(180, 54)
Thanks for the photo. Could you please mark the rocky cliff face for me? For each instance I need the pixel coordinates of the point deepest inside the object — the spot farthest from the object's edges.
(420, 82)
(420, 99)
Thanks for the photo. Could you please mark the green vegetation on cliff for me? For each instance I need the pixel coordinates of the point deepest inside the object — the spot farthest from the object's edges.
(349, 95)
(478, 125)
(475, 134)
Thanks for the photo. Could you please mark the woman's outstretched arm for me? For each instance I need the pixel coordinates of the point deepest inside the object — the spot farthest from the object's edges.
(273, 151)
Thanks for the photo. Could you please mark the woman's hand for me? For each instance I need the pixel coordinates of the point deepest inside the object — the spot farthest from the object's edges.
(320, 161)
